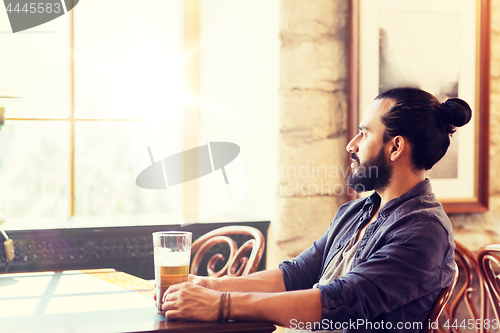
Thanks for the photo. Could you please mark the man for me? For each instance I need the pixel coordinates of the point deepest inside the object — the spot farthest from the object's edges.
(383, 260)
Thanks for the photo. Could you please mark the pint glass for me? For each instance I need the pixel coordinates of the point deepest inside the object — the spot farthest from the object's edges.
(172, 252)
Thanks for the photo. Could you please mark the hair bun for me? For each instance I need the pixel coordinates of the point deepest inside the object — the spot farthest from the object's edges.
(455, 112)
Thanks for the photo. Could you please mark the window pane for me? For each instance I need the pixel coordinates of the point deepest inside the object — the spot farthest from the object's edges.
(128, 60)
(104, 176)
(34, 169)
(35, 65)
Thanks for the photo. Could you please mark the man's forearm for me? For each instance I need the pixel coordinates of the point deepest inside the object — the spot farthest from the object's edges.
(264, 281)
(279, 308)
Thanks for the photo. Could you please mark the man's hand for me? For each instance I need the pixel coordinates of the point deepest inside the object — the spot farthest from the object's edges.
(191, 301)
(202, 281)
(196, 280)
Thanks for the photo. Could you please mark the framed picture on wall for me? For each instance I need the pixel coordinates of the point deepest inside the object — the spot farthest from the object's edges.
(441, 47)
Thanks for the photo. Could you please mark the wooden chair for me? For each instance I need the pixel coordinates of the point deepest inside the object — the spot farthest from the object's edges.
(440, 303)
(488, 258)
(469, 269)
(236, 255)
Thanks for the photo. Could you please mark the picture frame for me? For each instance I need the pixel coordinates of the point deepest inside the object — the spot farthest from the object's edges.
(442, 47)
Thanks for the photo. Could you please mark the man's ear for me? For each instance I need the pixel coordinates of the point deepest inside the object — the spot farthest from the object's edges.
(397, 147)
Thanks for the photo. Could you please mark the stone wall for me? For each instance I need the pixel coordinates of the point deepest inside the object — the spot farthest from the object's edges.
(313, 112)
(313, 109)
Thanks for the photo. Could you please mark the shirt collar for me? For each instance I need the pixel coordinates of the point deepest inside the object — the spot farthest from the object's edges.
(420, 189)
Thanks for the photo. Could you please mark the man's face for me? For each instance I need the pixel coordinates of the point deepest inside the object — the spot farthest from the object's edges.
(371, 170)
(374, 174)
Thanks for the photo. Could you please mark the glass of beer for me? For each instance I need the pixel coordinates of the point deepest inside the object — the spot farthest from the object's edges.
(172, 252)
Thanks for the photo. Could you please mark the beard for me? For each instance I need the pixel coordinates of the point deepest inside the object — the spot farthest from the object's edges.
(374, 174)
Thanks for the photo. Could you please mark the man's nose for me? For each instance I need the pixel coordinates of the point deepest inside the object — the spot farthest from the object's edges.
(352, 146)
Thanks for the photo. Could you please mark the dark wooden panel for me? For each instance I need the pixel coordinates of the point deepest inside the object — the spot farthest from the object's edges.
(127, 249)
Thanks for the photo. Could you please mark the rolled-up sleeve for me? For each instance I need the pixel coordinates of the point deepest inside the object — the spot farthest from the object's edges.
(303, 271)
(407, 266)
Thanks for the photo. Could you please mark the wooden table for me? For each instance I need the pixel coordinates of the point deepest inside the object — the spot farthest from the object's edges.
(99, 301)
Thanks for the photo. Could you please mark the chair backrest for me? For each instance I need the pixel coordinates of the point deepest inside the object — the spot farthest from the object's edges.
(468, 265)
(488, 258)
(236, 255)
(439, 304)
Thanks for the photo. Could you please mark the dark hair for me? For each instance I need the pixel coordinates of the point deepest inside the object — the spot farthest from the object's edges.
(424, 122)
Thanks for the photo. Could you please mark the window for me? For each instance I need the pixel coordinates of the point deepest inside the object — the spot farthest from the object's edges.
(93, 84)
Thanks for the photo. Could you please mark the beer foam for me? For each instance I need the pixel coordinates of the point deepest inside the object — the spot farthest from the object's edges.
(163, 257)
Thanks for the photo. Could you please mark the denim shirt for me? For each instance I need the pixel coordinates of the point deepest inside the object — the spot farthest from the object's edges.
(405, 258)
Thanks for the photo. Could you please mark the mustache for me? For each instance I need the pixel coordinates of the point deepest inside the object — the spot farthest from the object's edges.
(355, 158)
